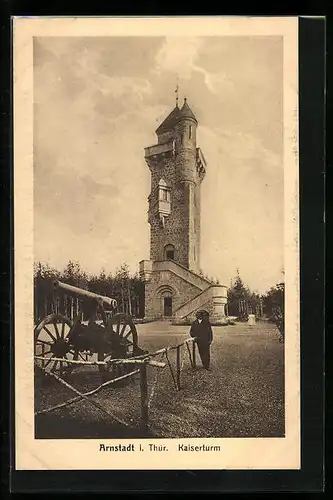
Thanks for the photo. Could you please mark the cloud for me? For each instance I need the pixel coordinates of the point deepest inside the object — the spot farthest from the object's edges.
(218, 82)
(178, 55)
(242, 214)
(88, 184)
(97, 105)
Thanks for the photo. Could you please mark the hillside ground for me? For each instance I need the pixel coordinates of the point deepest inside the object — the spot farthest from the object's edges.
(243, 395)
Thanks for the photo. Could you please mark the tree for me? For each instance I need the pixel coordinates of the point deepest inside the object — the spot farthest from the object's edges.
(74, 275)
(123, 280)
(241, 301)
(127, 289)
(238, 295)
(273, 303)
(138, 292)
(44, 276)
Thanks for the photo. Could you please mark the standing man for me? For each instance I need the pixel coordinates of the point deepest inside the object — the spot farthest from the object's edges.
(202, 330)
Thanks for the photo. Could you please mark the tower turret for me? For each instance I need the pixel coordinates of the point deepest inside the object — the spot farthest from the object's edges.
(185, 144)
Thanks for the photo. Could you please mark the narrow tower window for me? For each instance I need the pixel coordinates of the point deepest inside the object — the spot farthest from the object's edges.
(164, 195)
(190, 132)
(169, 252)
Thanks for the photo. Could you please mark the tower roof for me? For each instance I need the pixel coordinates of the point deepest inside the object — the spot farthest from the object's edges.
(186, 111)
(174, 116)
(169, 122)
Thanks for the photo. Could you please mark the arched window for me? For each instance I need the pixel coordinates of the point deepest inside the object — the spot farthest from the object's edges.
(169, 252)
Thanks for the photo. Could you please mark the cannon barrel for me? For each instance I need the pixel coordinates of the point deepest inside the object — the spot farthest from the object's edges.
(85, 293)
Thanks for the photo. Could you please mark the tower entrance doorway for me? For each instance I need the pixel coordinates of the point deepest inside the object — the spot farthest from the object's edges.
(167, 306)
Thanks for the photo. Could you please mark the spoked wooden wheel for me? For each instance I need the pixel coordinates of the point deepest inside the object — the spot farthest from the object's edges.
(125, 344)
(123, 326)
(51, 342)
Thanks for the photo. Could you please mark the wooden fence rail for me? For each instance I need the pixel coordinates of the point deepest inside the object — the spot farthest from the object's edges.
(140, 362)
(131, 361)
(90, 393)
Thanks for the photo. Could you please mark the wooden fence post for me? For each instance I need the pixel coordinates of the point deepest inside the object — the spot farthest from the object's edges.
(193, 355)
(178, 368)
(144, 396)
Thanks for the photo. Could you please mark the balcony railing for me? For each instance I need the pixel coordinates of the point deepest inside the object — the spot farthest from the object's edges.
(159, 149)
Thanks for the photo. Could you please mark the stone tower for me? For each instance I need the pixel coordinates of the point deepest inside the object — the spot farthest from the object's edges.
(177, 168)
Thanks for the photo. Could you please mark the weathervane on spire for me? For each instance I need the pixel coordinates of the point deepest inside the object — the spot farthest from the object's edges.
(177, 89)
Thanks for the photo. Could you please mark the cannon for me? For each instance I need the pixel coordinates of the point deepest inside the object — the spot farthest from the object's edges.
(98, 333)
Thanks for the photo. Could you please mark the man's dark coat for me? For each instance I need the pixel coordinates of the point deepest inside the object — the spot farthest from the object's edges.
(203, 331)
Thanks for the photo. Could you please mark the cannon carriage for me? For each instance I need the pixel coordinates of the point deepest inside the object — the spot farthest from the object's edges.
(98, 333)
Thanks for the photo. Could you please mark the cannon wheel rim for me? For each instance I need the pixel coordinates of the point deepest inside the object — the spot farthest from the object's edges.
(123, 325)
(125, 328)
(54, 341)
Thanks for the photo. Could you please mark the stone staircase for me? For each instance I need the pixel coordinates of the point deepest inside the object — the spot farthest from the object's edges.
(165, 275)
(182, 272)
(212, 299)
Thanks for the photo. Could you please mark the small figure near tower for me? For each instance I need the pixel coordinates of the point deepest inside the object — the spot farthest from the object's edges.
(177, 168)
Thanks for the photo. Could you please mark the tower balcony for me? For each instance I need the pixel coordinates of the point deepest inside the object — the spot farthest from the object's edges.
(201, 163)
(146, 269)
(160, 149)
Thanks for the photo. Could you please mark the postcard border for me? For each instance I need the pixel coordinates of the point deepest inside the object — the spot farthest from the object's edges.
(312, 59)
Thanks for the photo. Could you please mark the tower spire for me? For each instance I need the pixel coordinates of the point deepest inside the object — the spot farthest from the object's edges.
(177, 89)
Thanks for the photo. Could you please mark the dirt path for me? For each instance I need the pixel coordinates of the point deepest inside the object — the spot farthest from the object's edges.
(243, 395)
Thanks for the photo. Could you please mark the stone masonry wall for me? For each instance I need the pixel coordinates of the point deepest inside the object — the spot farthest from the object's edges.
(207, 306)
(197, 228)
(181, 227)
(175, 231)
(178, 169)
(162, 281)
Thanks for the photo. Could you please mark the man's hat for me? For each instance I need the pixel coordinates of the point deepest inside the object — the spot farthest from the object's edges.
(202, 313)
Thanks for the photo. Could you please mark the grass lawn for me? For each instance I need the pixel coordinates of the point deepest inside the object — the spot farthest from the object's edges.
(243, 395)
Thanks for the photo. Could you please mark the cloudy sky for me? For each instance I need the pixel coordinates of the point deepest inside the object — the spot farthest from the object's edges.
(98, 102)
